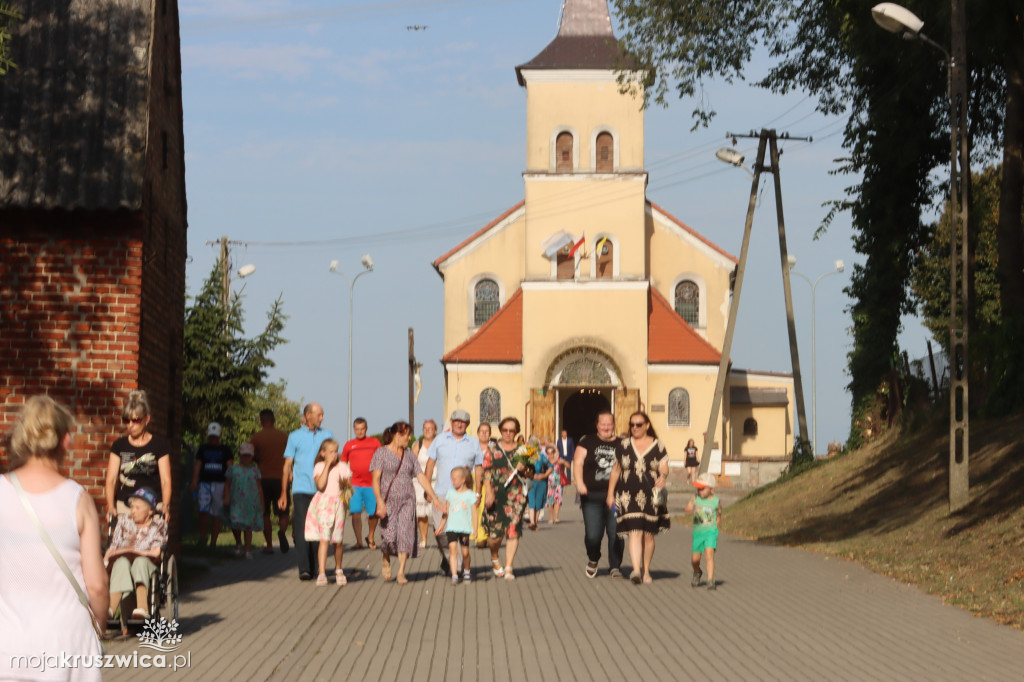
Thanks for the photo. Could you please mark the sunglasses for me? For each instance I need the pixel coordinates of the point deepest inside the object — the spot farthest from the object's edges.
(134, 420)
(637, 425)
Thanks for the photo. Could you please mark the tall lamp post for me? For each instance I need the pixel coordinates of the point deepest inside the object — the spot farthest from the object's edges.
(368, 265)
(814, 346)
(899, 20)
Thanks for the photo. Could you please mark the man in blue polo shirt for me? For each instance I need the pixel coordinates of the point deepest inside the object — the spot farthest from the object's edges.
(299, 455)
(452, 449)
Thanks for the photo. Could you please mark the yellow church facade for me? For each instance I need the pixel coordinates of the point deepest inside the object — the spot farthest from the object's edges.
(587, 296)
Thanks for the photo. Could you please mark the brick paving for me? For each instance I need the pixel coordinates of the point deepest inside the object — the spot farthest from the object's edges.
(779, 614)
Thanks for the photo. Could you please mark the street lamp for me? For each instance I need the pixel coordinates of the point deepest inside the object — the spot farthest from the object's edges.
(368, 264)
(839, 267)
(902, 21)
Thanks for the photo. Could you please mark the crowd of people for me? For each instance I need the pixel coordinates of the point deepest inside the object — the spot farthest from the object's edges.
(472, 490)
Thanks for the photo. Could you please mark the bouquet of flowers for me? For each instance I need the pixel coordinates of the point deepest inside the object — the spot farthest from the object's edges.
(526, 455)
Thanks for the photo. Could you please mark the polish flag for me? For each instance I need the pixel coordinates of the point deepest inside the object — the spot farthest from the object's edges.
(578, 244)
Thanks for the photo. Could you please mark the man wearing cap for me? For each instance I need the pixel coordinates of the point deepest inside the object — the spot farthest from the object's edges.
(299, 457)
(134, 550)
(212, 461)
(452, 449)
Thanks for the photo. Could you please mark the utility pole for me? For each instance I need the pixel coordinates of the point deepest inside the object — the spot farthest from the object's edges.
(959, 276)
(225, 273)
(767, 138)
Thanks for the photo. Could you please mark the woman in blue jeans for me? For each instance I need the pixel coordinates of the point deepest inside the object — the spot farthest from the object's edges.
(591, 470)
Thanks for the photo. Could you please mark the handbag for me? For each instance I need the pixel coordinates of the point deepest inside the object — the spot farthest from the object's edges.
(56, 555)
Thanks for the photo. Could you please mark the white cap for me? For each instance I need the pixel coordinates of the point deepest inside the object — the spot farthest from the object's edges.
(213, 429)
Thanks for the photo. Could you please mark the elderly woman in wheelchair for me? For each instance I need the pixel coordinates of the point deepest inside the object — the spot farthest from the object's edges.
(134, 553)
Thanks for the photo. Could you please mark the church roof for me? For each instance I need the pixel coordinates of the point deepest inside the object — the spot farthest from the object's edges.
(500, 339)
(74, 115)
(745, 395)
(670, 340)
(585, 41)
(476, 235)
(679, 223)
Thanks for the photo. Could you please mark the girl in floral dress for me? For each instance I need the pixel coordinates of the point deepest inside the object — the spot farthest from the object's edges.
(325, 519)
(243, 497)
(555, 484)
(504, 504)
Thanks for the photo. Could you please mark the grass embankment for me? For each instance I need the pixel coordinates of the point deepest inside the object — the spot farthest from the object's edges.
(887, 507)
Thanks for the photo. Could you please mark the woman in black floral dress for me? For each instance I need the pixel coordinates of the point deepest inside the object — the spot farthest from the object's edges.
(641, 467)
(503, 504)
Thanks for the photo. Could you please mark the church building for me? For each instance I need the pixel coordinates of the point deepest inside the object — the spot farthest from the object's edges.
(585, 295)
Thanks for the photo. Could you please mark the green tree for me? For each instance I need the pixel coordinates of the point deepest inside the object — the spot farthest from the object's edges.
(272, 395)
(896, 134)
(992, 341)
(222, 368)
(8, 15)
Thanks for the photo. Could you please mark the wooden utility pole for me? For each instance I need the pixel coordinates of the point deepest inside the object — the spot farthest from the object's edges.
(766, 138)
(412, 381)
(225, 273)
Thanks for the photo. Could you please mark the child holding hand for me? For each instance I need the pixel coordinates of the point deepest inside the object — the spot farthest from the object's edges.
(325, 520)
(707, 515)
(458, 522)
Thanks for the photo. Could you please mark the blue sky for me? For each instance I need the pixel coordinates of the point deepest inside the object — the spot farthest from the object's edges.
(324, 130)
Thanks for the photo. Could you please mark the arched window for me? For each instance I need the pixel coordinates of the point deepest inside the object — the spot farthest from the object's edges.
(688, 302)
(605, 264)
(563, 153)
(565, 264)
(750, 427)
(605, 153)
(678, 407)
(490, 406)
(485, 301)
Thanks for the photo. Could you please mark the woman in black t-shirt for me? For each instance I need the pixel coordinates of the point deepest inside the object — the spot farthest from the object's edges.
(591, 470)
(137, 460)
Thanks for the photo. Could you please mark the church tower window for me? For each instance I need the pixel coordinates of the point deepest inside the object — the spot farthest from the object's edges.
(605, 153)
(563, 153)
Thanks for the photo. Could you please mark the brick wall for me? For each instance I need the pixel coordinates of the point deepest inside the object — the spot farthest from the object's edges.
(92, 303)
(70, 287)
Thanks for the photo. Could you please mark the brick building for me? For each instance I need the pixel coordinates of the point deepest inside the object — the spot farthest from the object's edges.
(93, 219)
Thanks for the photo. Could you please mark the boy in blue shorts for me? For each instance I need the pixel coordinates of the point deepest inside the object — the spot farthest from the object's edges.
(707, 514)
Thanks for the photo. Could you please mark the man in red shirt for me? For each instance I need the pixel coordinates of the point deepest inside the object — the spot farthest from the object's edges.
(357, 453)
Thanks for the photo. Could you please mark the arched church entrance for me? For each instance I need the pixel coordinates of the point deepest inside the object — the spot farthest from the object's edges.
(579, 384)
(580, 410)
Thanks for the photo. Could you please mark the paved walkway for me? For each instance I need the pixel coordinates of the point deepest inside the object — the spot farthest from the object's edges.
(779, 614)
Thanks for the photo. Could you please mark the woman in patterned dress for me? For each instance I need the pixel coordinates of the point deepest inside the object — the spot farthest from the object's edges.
(555, 484)
(394, 467)
(504, 504)
(641, 466)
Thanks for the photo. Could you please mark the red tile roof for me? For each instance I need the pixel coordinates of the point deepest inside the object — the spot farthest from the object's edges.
(500, 339)
(670, 340)
(692, 231)
(478, 233)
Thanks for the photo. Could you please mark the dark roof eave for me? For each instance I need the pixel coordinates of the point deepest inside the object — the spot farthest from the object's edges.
(578, 52)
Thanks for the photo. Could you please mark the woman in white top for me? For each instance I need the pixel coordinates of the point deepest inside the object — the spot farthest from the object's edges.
(421, 448)
(39, 608)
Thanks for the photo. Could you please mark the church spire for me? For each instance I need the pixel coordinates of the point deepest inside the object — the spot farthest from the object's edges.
(585, 40)
(586, 18)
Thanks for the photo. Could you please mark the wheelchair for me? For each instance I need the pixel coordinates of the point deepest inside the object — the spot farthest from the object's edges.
(161, 593)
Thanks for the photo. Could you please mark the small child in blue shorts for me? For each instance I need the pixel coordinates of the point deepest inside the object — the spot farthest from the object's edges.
(707, 514)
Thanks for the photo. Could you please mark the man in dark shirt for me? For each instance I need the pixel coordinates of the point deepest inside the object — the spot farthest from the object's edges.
(592, 469)
(212, 462)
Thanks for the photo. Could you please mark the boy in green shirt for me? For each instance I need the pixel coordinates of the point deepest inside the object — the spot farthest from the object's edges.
(707, 514)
